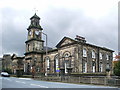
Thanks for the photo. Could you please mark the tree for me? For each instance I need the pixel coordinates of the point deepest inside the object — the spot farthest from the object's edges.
(117, 68)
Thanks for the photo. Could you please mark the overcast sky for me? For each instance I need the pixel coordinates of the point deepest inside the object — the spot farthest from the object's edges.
(96, 20)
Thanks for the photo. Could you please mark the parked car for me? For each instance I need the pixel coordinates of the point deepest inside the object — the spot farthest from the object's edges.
(5, 74)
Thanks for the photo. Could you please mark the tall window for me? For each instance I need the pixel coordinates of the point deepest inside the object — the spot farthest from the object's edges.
(24, 67)
(107, 67)
(100, 55)
(29, 33)
(101, 67)
(84, 52)
(48, 62)
(93, 54)
(84, 67)
(107, 57)
(56, 64)
(67, 61)
(28, 46)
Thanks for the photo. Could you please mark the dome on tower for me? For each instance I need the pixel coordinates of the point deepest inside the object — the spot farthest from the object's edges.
(35, 16)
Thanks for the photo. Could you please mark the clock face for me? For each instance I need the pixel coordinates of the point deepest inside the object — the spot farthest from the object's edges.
(37, 32)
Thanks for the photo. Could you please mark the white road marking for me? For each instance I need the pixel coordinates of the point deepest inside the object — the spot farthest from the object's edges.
(8, 79)
(39, 85)
(26, 78)
(21, 82)
(17, 81)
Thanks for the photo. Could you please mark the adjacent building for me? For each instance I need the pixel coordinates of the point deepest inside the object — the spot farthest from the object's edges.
(17, 64)
(7, 62)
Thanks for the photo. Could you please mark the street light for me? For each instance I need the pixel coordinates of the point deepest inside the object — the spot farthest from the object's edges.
(46, 48)
(46, 41)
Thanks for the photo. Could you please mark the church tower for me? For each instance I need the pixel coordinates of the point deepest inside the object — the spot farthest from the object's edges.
(34, 45)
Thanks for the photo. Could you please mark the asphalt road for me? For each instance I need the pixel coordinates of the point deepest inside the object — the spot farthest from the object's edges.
(12, 82)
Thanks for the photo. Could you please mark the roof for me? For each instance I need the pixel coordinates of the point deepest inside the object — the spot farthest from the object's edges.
(14, 56)
(35, 16)
(48, 48)
(77, 42)
(34, 52)
(52, 50)
(6, 55)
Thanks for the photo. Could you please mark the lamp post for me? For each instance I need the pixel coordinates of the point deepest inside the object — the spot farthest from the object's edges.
(46, 48)
(46, 41)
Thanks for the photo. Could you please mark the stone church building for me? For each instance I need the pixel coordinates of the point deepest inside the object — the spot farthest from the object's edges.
(69, 56)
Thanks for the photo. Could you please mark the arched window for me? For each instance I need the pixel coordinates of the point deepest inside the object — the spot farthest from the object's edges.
(93, 54)
(56, 64)
(107, 57)
(84, 52)
(66, 55)
(67, 61)
(100, 55)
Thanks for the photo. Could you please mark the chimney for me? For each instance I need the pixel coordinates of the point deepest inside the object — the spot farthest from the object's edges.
(80, 39)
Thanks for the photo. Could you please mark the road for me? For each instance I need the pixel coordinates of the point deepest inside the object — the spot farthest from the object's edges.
(12, 82)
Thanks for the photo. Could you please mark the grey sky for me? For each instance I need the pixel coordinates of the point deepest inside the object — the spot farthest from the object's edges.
(96, 20)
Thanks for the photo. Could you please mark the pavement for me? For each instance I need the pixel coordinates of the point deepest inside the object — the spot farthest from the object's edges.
(12, 82)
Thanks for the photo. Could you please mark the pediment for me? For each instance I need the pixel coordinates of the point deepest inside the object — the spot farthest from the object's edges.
(65, 41)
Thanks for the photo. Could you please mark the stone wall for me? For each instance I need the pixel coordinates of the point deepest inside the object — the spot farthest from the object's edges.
(96, 80)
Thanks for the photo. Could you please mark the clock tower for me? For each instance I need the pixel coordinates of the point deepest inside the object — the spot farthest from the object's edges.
(34, 40)
(34, 45)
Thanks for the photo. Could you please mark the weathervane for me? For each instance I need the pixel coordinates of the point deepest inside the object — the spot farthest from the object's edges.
(35, 10)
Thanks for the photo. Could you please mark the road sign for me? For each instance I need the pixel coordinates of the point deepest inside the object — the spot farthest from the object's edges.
(57, 69)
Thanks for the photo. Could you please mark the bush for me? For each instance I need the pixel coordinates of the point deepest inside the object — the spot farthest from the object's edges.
(117, 68)
(19, 73)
